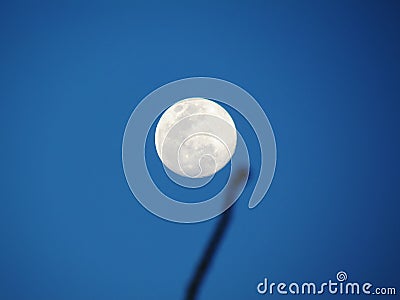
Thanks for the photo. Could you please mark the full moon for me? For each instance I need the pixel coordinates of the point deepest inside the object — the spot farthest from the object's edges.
(195, 137)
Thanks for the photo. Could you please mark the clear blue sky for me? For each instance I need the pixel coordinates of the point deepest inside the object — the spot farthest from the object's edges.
(326, 73)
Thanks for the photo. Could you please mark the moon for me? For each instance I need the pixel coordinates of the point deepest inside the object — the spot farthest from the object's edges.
(195, 137)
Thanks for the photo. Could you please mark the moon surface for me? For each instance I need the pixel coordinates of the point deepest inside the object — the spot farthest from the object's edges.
(195, 137)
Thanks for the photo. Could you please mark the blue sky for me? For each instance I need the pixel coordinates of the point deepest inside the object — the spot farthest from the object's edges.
(325, 72)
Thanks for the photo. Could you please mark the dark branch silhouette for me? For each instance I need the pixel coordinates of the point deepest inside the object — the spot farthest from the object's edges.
(215, 239)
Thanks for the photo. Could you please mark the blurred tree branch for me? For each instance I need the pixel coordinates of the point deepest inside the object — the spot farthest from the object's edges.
(215, 239)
